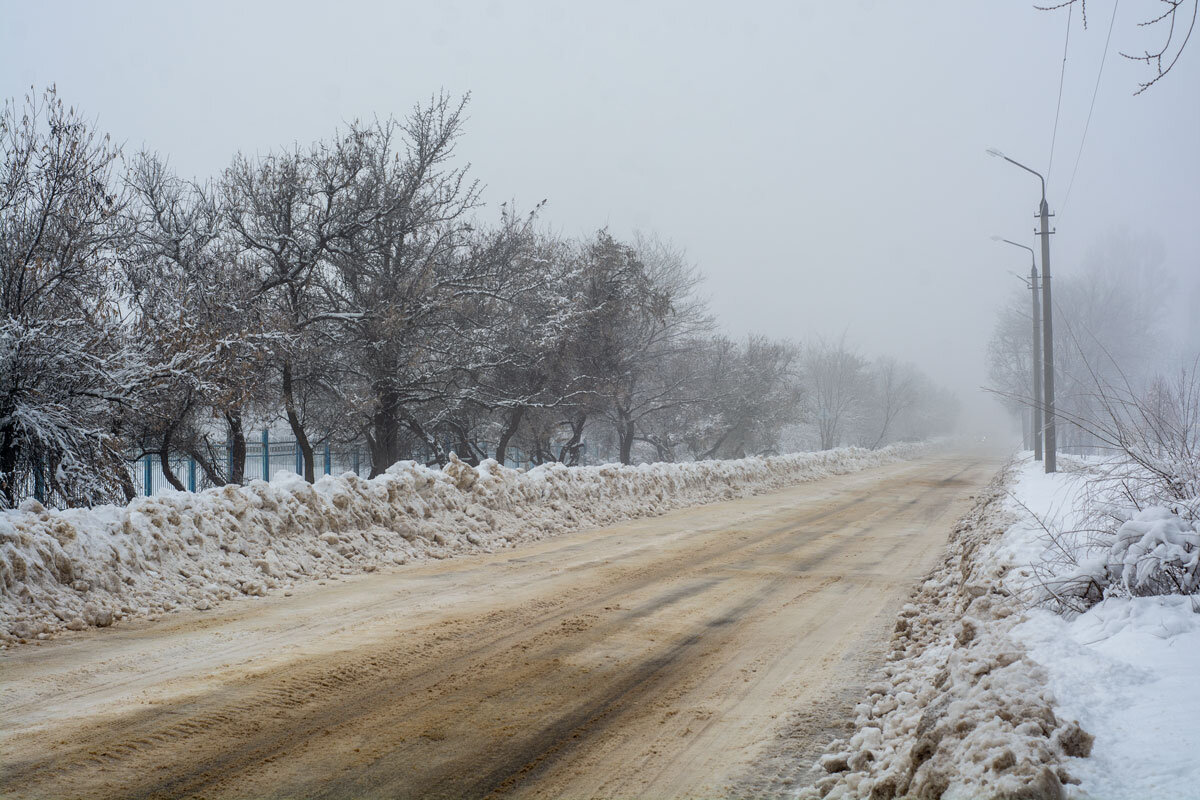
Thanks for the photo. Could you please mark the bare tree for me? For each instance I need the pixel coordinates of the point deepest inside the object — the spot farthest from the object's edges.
(1170, 16)
(894, 392)
(199, 308)
(289, 213)
(746, 393)
(398, 279)
(835, 377)
(66, 365)
(646, 311)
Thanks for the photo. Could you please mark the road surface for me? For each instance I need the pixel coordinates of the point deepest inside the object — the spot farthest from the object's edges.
(706, 652)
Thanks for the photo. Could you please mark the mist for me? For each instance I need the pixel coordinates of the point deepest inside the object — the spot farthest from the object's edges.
(624, 399)
(822, 166)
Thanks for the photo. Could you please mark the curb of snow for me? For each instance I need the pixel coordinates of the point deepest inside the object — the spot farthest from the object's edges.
(962, 712)
(79, 568)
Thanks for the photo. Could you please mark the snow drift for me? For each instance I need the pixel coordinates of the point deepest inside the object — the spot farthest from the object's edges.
(962, 710)
(77, 568)
(1120, 657)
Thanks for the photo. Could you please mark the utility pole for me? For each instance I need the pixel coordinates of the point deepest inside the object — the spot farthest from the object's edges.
(1037, 364)
(1047, 317)
(1048, 334)
(1036, 339)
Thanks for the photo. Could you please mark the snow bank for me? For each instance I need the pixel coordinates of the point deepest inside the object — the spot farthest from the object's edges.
(1126, 668)
(77, 568)
(962, 711)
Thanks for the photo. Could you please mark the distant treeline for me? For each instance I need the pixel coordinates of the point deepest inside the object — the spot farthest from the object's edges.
(349, 291)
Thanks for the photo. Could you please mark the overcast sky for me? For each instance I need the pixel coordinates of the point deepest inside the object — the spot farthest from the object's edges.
(823, 164)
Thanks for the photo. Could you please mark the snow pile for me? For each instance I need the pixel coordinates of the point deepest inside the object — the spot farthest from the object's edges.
(1126, 666)
(1127, 670)
(1082, 540)
(962, 712)
(1159, 553)
(77, 568)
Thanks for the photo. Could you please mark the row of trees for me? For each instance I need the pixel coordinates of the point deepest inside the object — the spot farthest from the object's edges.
(1112, 333)
(349, 291)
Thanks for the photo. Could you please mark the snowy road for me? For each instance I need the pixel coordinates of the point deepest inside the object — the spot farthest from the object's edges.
(703, 652)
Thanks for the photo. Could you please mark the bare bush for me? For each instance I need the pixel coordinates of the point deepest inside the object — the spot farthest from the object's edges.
(1138, 531)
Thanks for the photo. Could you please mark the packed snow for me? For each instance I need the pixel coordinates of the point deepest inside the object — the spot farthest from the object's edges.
(1126, 667)
(962, 710)
(77, 568)
(1052, 655)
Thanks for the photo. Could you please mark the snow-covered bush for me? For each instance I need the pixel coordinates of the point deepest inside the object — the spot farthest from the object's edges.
(1153, 551)
(1158, 552)
(1137, 519)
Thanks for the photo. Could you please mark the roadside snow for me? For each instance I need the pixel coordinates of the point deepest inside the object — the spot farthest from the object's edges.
(961, 712)
(1126, 668)
(987, 694)
(77, 568)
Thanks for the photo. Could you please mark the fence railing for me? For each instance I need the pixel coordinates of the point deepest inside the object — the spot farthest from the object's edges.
(265, 458)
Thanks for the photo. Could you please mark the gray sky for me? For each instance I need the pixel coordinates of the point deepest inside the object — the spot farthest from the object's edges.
(823, 163)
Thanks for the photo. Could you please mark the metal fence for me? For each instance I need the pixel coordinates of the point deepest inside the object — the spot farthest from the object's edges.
(266, 457)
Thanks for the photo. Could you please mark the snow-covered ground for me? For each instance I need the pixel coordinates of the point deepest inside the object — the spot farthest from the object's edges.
(1126, 668)
(994, 688)
(90, 567)
(960, 710)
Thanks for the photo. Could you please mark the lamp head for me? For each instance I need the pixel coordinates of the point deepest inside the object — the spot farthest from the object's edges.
(991, 151)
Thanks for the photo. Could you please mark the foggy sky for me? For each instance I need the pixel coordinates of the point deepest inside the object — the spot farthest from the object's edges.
(823, 164)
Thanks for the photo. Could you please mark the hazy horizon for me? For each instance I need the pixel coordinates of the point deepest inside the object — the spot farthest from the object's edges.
(823, 166)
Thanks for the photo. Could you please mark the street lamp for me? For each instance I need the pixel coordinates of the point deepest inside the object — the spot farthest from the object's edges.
(1047, 318)
(1032, 283)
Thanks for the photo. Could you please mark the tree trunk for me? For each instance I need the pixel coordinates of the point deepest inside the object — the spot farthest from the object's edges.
(466, 452)
(569, 453)
(625, 436)
(385, 430)
(289, 404)
(510, 430)
(712, 451)
(127, 487)
(164, 458)
(215, 476)
(237, 439)
(828, 431)
(542, 451)
(8, 467)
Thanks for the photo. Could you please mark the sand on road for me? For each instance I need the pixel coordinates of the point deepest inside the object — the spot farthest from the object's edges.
(706, 652)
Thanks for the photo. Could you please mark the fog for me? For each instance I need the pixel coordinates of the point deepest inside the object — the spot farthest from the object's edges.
(823, 165)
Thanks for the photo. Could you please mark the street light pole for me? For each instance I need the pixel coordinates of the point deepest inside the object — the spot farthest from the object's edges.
(1047, 317)
(1032, 283)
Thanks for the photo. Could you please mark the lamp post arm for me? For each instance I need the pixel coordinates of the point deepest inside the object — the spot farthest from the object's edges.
(1032, 256)
(1027, 169)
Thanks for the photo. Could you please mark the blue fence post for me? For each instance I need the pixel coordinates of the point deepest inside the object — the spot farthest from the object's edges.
(355, 459)
(266, 445)
(299, 458)
(147, 478)
(191, 474)
(327, 465)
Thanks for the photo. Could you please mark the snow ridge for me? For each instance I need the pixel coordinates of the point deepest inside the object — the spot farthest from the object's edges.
(77, 568)
(963, 712)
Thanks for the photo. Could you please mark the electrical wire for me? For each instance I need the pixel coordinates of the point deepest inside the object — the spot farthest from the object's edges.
(1092, 107)
(1061, 76)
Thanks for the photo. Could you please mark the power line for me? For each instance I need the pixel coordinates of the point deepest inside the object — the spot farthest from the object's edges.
(1087, 124)
(1061, 76)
